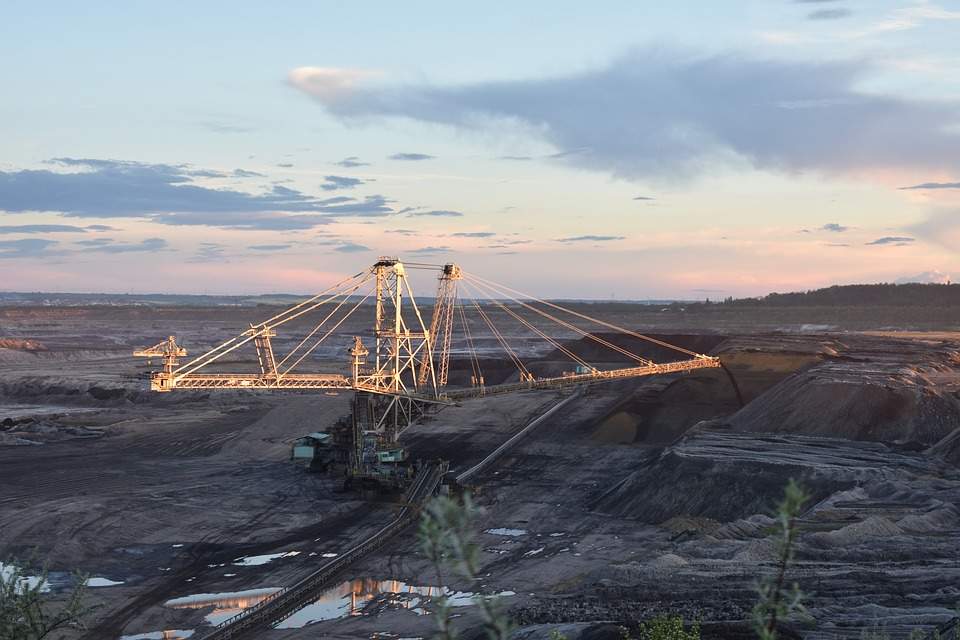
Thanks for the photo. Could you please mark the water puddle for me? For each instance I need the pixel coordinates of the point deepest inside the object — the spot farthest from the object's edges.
(25, 582)
(513, 533)
(168, 634)
(256, 561)
(225, 605)
(367, 596)
(102, 582)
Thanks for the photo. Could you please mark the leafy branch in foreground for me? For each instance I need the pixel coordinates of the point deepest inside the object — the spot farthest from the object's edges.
(446, 535)
(775, 600)
(26, 610)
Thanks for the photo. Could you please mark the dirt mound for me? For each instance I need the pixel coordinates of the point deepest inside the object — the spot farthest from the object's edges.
(727, 477)
(269, 437)
(661, 410)
(857, 533)
(893, 410)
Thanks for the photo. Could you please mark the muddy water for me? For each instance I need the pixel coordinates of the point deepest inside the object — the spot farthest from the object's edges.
(363, 596)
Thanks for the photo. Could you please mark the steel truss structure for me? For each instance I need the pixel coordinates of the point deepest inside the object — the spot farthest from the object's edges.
(407, 368)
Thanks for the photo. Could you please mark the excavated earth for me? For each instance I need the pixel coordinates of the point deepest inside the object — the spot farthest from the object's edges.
(639, 497)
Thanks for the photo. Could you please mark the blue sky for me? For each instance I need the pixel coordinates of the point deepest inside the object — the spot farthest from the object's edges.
(677, 149)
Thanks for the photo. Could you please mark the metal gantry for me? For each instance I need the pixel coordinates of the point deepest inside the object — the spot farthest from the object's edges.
(407, 367)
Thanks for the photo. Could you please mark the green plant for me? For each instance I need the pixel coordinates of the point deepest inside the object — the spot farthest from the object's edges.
(667, 627)
(775, 601)
(446, 535)
(26, 610)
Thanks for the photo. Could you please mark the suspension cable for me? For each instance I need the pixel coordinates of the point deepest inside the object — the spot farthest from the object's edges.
(238, 341)
(474, 361)
(513, 356)
(322, 322)
(327, 334)
(570, 326)
(595, 320)
(335, 287)
(533, 328)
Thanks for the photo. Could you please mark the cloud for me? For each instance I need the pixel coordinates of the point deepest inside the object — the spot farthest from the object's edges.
(208, 252)
(226, 127)
(828, 14)
(350, 247)
(836, 244)
(927, 277)
(897, 241)
(426, 250)
(100, 227)
(243, 173)
(105, 245)
(834, 227)
(41, 228)
(351, 162)
(442, 213)
(473, 234)
(516, 158)
(933, 185)
(411, 157)
(285, 165)
(643, 198)
(269, 247)
(168, 194)
(25, 248)
(665, 113)
(340, 182)
(942, 226)
(326, 82)
(591, 239)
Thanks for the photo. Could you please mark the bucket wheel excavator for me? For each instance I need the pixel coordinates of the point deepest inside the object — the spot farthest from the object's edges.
(403, 370)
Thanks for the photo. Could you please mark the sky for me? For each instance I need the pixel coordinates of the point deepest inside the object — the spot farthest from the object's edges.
(626, 150)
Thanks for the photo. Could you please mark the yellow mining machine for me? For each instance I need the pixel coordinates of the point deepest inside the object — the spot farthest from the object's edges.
(404, 372)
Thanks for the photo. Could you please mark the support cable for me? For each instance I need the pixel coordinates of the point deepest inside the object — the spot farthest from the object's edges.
(331, 330)
(570, 326)
(322, 322)
(510, 352)
(335, 287)
(537, 331)
(595, 320)
(238, 341)
(474, 360)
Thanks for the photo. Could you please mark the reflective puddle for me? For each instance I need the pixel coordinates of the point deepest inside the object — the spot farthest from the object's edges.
(225, 605)
(168, 634)
(501, 531)
(25, 582)
(102, 582)
(363, 596)
(256, 561)
(367, 596)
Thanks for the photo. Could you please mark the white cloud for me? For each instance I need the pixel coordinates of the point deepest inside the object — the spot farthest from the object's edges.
(927, 277)
(326, 83)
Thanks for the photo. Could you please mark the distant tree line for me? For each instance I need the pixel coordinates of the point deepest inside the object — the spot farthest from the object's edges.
(859, 295)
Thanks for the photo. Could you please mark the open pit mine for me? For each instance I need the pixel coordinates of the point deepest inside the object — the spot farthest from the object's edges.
(259, 471)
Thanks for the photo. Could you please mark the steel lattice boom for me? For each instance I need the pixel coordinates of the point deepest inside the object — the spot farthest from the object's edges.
(408, 361)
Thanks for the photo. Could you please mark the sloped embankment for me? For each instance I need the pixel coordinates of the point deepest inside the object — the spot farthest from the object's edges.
(726, 476)
(894, 392)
